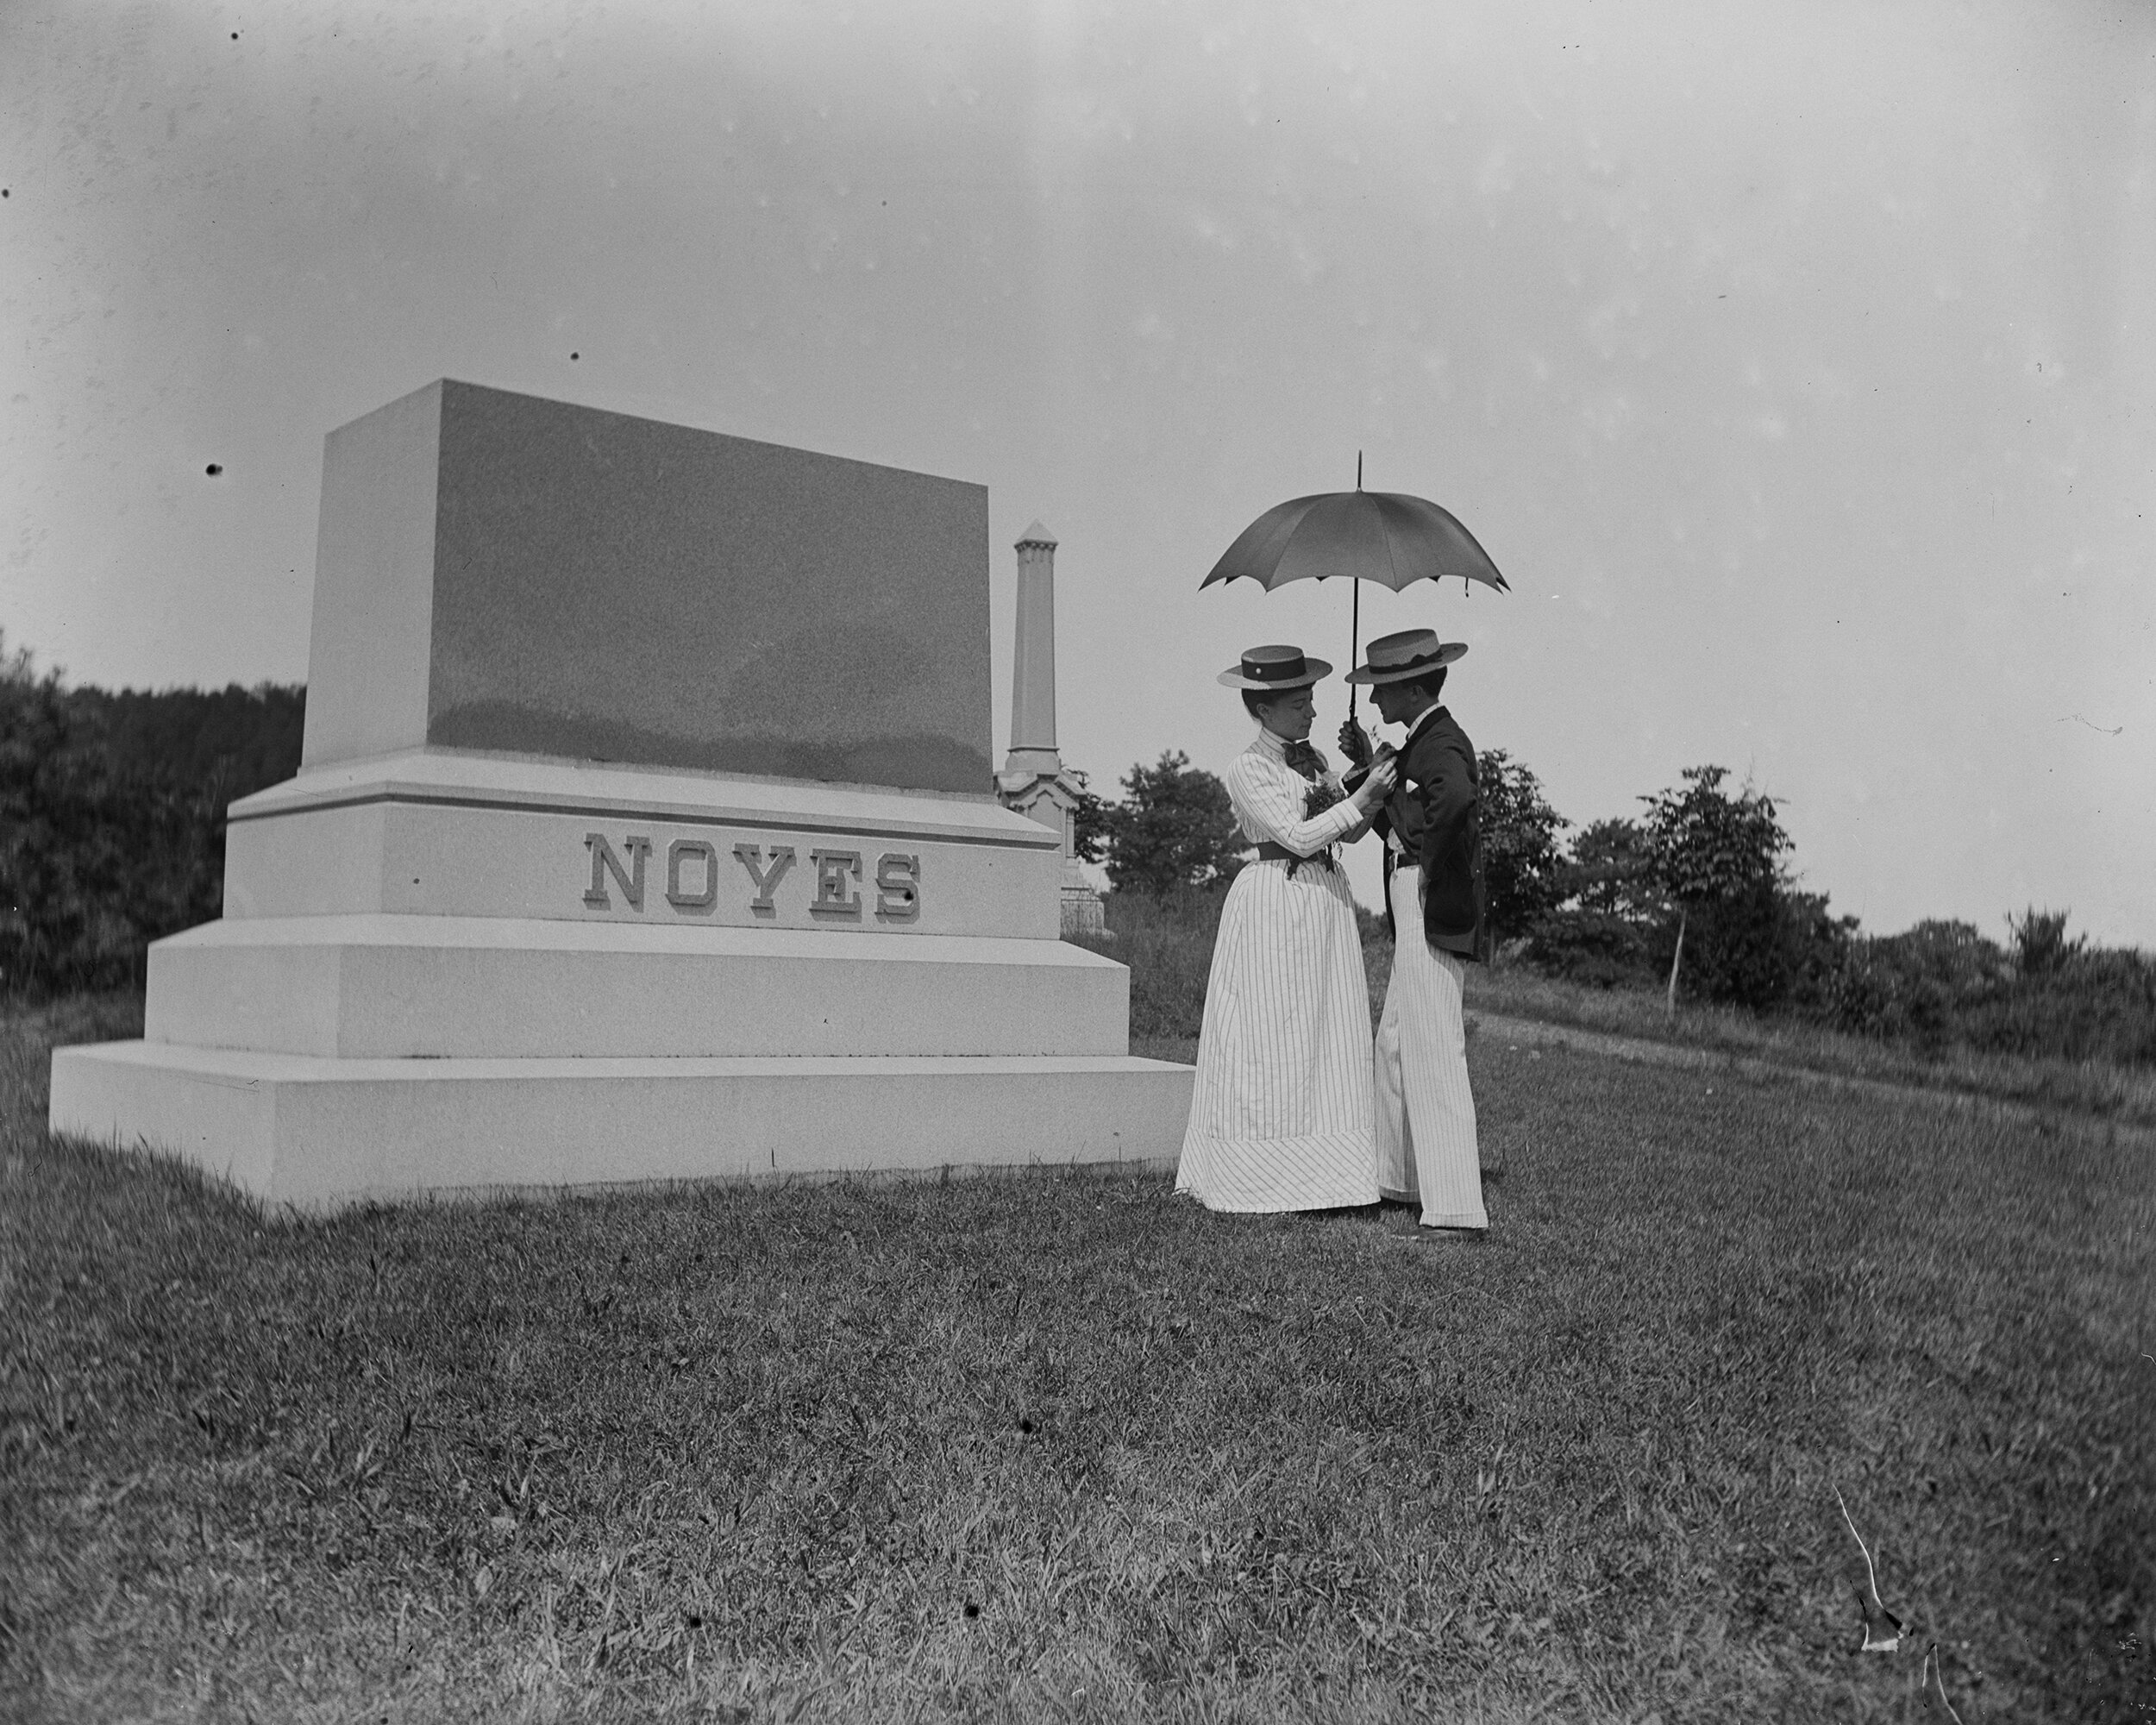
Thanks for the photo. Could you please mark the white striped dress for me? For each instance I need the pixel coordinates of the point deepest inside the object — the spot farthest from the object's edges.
(1283, 1114)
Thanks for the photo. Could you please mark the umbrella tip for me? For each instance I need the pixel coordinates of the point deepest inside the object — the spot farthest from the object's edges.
(1358, 470)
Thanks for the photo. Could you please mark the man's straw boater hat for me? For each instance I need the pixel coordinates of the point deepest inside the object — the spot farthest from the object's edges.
(1275, 667)
(1412, 653)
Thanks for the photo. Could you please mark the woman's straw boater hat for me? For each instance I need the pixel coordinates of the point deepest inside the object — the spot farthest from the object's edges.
(1275, 667)
(1412, 653)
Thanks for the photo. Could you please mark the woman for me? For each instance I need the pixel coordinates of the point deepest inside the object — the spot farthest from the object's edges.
(1282, 1118)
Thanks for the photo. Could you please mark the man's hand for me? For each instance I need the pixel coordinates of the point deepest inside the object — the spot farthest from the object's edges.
(1354, 743)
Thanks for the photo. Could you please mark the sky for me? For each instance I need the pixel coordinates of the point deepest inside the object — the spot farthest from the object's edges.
(1796, 362)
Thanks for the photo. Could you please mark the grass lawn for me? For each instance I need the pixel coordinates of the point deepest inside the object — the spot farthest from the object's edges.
(1069, 1447)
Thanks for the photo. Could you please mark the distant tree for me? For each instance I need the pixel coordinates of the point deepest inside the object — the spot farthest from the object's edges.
(1920, 985)
(230, 742)
(1608, 910)
(2042, 945)
(1610, 871)
(1717, 856)
(1592, 946)
(1520, 843)
(33, 731)
(1174, 828)
(112, 817)
(72, 834)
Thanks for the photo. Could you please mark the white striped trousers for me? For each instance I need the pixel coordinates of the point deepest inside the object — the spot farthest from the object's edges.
(1425, 1113)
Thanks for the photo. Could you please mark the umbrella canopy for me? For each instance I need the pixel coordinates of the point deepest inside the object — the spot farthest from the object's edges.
(1370, 536)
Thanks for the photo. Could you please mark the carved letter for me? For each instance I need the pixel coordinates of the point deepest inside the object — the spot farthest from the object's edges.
(604, 860)
(898, 887)
(679, 852)
(833, 898)
(767, 879)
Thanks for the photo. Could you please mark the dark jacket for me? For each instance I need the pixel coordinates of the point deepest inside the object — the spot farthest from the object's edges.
(1434, 812)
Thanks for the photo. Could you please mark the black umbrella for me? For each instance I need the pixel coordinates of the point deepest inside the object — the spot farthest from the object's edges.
(1367, 536)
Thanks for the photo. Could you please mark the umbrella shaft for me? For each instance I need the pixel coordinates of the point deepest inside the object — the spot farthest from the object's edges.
(1355, 626)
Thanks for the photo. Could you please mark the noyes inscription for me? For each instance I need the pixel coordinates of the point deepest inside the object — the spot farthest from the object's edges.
(838, 888)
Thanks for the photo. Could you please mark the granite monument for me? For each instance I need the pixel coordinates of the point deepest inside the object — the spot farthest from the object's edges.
(644, 831)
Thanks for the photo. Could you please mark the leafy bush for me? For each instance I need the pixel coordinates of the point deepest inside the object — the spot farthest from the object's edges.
(1944, 983)
(1088, 817)
(1608, 907)
(228, 742)
(1593, 946)
(1175, 829)
(2103, 1006)
(1716, 856)
(2041, 943)
(1915, 986)
(1610, 869)
(1520, 844)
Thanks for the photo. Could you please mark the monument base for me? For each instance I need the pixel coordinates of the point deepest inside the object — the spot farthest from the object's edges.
(316, 1132)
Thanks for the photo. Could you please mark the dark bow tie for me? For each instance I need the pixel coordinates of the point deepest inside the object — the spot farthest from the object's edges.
(1305, 759)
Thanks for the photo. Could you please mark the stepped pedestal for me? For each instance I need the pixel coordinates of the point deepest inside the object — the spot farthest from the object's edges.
(625, 982)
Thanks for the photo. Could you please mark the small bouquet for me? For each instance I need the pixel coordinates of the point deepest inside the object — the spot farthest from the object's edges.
(1321, 791)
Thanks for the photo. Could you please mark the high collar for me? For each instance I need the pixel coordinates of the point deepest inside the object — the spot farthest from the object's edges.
(1431, 715)
(1273, 748)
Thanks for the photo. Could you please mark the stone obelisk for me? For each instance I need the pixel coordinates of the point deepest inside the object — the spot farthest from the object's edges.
(1034, 781)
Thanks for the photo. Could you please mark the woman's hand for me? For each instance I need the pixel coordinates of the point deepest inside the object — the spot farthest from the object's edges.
(1370, 794)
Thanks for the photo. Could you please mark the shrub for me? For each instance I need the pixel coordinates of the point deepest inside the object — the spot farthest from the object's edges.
(1716, 856)
(1592, 946)
(1768, 946)
(1088, 817)
(1814, 947)
(2048, 996)
(1174, 829)
(1610, 869)
(1917, 986)
(1520, 844)
(2041, 944)
(112, 817)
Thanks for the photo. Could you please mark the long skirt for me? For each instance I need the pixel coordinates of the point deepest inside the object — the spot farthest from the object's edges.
(1282, 1115)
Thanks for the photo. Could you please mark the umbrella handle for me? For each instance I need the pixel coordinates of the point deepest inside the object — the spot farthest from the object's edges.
(1355, 640)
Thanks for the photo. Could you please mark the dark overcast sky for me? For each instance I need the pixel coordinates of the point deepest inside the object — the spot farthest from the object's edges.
(1794, 361)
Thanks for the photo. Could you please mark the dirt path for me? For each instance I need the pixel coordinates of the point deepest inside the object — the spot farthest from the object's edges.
(1537, 1034)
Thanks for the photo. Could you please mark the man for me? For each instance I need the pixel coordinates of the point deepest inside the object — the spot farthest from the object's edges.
(1437, 905)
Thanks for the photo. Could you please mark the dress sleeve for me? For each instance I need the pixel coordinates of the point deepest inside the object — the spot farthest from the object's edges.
(1268, 801)
(1363, 822)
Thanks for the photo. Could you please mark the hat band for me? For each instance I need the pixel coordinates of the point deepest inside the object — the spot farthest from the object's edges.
(1432, 659)
(1261, 671)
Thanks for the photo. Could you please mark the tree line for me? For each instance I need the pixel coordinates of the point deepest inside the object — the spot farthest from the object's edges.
(112, 816)
(1695, 896)
(112, 813)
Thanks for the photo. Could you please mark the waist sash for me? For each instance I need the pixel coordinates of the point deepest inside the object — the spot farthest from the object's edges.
(1270, 850)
